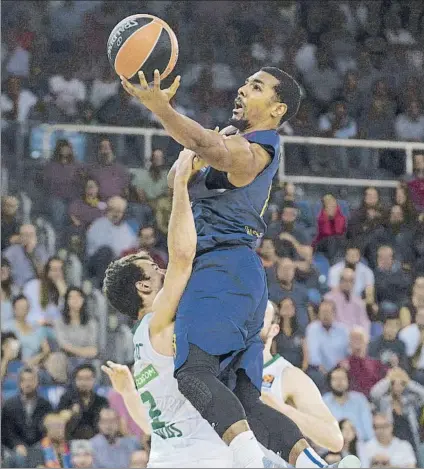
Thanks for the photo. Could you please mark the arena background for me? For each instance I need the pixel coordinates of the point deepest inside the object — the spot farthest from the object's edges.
(80, 157)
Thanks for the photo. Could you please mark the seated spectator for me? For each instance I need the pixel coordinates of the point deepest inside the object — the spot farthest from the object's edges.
(376, 122)
(67, 90)
(163, 213)
(103, 87)
(45, 295)
(363, 370)
(110, 450)
(351, 444)
(84, 403)
(413, 338)
(76, 333)
(127, 425)
(351, 405)
(410, 126)
(9, 222)
(53, 450)
(400, 399)
(331, 228)
(151, 184)
(8, 290)
(148, 243)
(83, 211)
(403, 199)
(61, 182)
(338, 123)
(22, 416)
(400, 452)
(388, 348)
(351, 94)
(288, 287)
(350, 308)
(10, 352)
(364, 276)
(33, 339)
(266, 252)
(391, 282)
(409, 310)
(139, 459)
(82, 454)
(16, 101)
(416, 185)
(290, 342)
(108, 237)
(27, 258)
(327, 340)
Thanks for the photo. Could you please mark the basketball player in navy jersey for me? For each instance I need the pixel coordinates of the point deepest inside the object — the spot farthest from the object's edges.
(221, 312)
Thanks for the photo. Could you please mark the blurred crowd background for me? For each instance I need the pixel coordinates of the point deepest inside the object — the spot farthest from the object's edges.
(345, 267)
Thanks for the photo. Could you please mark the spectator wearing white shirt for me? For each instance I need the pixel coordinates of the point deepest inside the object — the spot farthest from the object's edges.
(400, 452)
(16, 102)
(108, 237)
(104, 87)
(410, 125)
(68, 90)
(364, 277)
(413, 338)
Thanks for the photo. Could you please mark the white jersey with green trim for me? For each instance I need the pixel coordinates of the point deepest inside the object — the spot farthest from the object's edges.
(272, 375)
(180, 436)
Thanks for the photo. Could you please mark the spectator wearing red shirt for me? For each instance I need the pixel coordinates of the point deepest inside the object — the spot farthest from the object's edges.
(331, 228)
(416, 185)
(364, 372)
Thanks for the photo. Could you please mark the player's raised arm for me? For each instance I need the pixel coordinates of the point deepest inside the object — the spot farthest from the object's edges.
(182, 241)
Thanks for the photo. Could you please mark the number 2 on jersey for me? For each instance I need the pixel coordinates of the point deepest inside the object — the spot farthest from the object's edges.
(154, 412)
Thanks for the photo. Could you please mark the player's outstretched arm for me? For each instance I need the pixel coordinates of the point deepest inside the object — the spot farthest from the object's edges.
(310, 413)
(233, 154)
(123, 383)
(182, 240)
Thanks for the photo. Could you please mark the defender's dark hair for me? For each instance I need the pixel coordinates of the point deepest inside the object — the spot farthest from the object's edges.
(119, 284)
(288, 91)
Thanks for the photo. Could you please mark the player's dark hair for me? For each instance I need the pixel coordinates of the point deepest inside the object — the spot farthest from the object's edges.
(119, 284)
(288, 91)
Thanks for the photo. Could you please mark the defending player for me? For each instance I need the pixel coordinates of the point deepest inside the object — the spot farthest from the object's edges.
(289, 390)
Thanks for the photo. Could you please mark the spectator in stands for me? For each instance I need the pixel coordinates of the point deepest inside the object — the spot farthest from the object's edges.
(351, 94)
(148, 242)
(110, 450)
(84, 403)
(127, 426)
(391, 282)
(401, 400)
(338, 123)
(108, 237)
(88, 208)
(10, 351)
(409, 310)
(139, 459)
(76, 332)
(27, 258)
(287, 286)
(45, 295)
(400, 452)
(22, 416)
(413, 338)
(9, 222)
(266, 252)
(410, 126)
(351, 444)
(8, 290)
(82, 454)
(151, 184)
(331, 228)
(364, 276)
(16, 101)
(402, 198)
(112, 177)
(350, 308)
(290, 341)
(376, 122)
(351, 405)
(33, 339)
(416, 185)
(61, 182)
(53, 450)
(104, 87)
(363, 370)
(388, 348)
(163, 213)
(327, 340)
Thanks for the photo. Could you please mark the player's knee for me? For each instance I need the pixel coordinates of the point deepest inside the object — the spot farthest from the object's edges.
(193, 388)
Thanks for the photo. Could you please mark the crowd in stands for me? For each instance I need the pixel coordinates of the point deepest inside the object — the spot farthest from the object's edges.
(347, 277)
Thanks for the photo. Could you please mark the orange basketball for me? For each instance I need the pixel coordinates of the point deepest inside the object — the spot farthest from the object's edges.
(142, 42)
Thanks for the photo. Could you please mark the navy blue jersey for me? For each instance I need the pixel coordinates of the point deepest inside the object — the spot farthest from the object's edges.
(226, 215)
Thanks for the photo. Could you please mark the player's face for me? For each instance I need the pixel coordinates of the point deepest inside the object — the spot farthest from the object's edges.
(256, 102)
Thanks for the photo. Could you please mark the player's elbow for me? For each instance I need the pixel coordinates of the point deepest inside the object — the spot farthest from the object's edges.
(183, 258)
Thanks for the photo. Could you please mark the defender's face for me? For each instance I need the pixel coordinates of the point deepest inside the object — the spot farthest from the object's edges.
(153, 272)
(256, 100)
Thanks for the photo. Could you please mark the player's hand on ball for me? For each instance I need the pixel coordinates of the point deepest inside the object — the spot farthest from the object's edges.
(151, 96)
(120, 377)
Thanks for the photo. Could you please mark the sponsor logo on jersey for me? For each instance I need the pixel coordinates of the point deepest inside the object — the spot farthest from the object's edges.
(267, 381)
(145, 376)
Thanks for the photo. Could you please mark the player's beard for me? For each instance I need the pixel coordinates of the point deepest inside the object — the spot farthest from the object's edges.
(240, 124)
